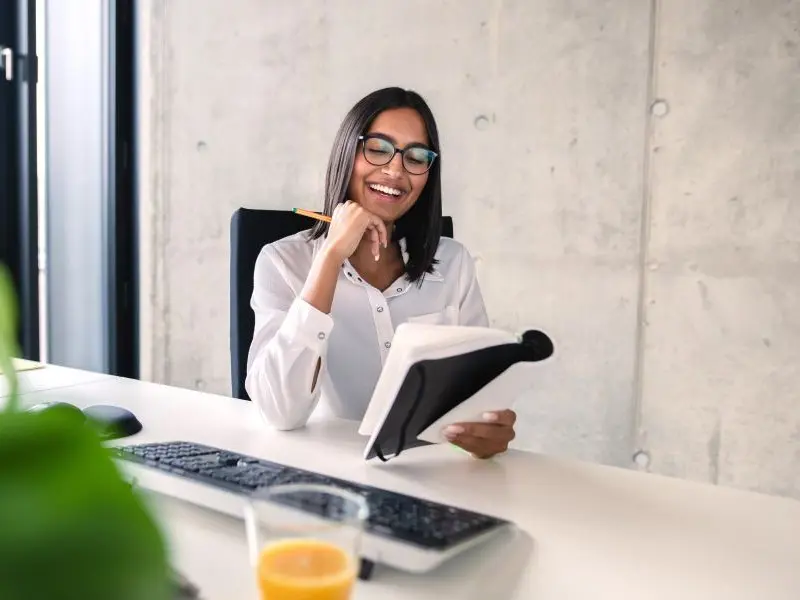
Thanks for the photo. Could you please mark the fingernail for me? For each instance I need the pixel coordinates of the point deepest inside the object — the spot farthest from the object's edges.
(452, 431)
(490, 417)
(377, 257)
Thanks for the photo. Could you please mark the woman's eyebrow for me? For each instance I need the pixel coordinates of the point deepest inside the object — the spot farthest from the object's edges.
(389, 138)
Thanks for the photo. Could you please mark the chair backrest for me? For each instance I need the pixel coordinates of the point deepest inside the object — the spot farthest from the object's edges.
(251, 230)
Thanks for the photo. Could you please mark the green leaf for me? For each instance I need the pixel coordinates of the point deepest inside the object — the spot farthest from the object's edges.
(8, 335)
(70, 526)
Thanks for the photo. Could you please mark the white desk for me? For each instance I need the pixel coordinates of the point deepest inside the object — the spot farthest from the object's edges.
(48, 378)
(586, 531)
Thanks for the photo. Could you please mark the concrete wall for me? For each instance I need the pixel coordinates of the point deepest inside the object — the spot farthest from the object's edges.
(721, 378)
(658, 250)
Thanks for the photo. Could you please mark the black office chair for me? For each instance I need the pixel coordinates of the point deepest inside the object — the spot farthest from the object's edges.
(251, 230)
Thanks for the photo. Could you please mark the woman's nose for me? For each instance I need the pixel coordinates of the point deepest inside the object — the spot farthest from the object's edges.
(394, 167)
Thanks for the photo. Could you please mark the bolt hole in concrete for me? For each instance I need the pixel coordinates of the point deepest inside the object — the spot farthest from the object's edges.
(641, 459)
(660, 108)
(481, 123)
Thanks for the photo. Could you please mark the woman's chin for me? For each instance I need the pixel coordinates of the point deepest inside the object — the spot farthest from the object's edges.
(388, 211)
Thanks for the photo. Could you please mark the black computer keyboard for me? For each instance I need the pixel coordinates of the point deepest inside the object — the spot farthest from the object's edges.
(393, 515)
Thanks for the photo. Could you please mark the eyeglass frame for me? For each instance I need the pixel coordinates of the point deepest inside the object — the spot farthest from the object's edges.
(396, 150)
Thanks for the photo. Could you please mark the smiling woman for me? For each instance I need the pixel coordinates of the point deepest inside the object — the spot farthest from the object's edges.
(377, 144)
(327, 301)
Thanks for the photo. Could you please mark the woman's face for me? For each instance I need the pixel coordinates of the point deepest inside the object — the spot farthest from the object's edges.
(389, 191)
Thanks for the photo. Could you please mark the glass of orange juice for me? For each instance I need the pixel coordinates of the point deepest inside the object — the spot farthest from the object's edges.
(304, 541)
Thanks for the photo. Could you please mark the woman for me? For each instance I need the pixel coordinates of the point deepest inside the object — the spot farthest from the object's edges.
(327, 302)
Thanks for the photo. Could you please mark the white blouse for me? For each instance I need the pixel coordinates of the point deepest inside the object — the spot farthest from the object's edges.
(353, 341)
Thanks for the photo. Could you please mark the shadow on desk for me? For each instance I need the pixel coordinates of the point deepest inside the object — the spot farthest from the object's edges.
(491, 570)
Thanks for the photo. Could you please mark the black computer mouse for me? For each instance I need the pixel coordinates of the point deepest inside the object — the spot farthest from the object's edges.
(112, 422)
(64, 407)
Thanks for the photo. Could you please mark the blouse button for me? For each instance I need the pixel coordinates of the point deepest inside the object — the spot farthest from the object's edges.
(399, 289)
(321, 335)
(388, 344)
(380, 309)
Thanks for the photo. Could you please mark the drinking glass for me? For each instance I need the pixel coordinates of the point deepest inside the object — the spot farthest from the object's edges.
(304, 541)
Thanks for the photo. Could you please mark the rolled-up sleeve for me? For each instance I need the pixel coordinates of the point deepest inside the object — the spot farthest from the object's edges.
(472, 310)
(289, 338)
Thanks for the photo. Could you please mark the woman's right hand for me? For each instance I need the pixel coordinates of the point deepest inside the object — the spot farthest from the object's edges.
(349, 225)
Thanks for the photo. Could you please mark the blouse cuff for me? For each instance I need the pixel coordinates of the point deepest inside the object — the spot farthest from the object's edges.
(306, 324)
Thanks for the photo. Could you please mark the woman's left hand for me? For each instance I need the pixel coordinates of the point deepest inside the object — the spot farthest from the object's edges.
(484, 440)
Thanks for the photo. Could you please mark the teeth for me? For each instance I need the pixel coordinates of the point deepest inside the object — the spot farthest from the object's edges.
(385, 189)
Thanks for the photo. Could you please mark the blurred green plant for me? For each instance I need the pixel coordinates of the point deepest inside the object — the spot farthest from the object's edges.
(70, 526)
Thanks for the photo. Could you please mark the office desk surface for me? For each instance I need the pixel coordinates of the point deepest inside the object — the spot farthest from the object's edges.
(584, 531)
(49, 377)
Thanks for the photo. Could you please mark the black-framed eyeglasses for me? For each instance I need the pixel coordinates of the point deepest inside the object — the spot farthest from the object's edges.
(378, 151)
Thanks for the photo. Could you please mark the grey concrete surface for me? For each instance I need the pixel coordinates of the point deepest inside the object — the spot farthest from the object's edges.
(658, 251)
(721, 394)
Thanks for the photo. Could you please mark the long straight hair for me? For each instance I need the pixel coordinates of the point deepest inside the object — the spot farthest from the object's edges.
(421, 226)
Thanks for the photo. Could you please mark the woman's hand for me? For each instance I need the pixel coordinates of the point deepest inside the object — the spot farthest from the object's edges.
(348, 226)
(484, 440)
(350, 223)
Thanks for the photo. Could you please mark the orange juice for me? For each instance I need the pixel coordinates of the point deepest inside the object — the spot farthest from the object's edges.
(305, 569)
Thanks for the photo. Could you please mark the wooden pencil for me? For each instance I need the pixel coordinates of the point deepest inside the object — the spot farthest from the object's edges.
(312, 214)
